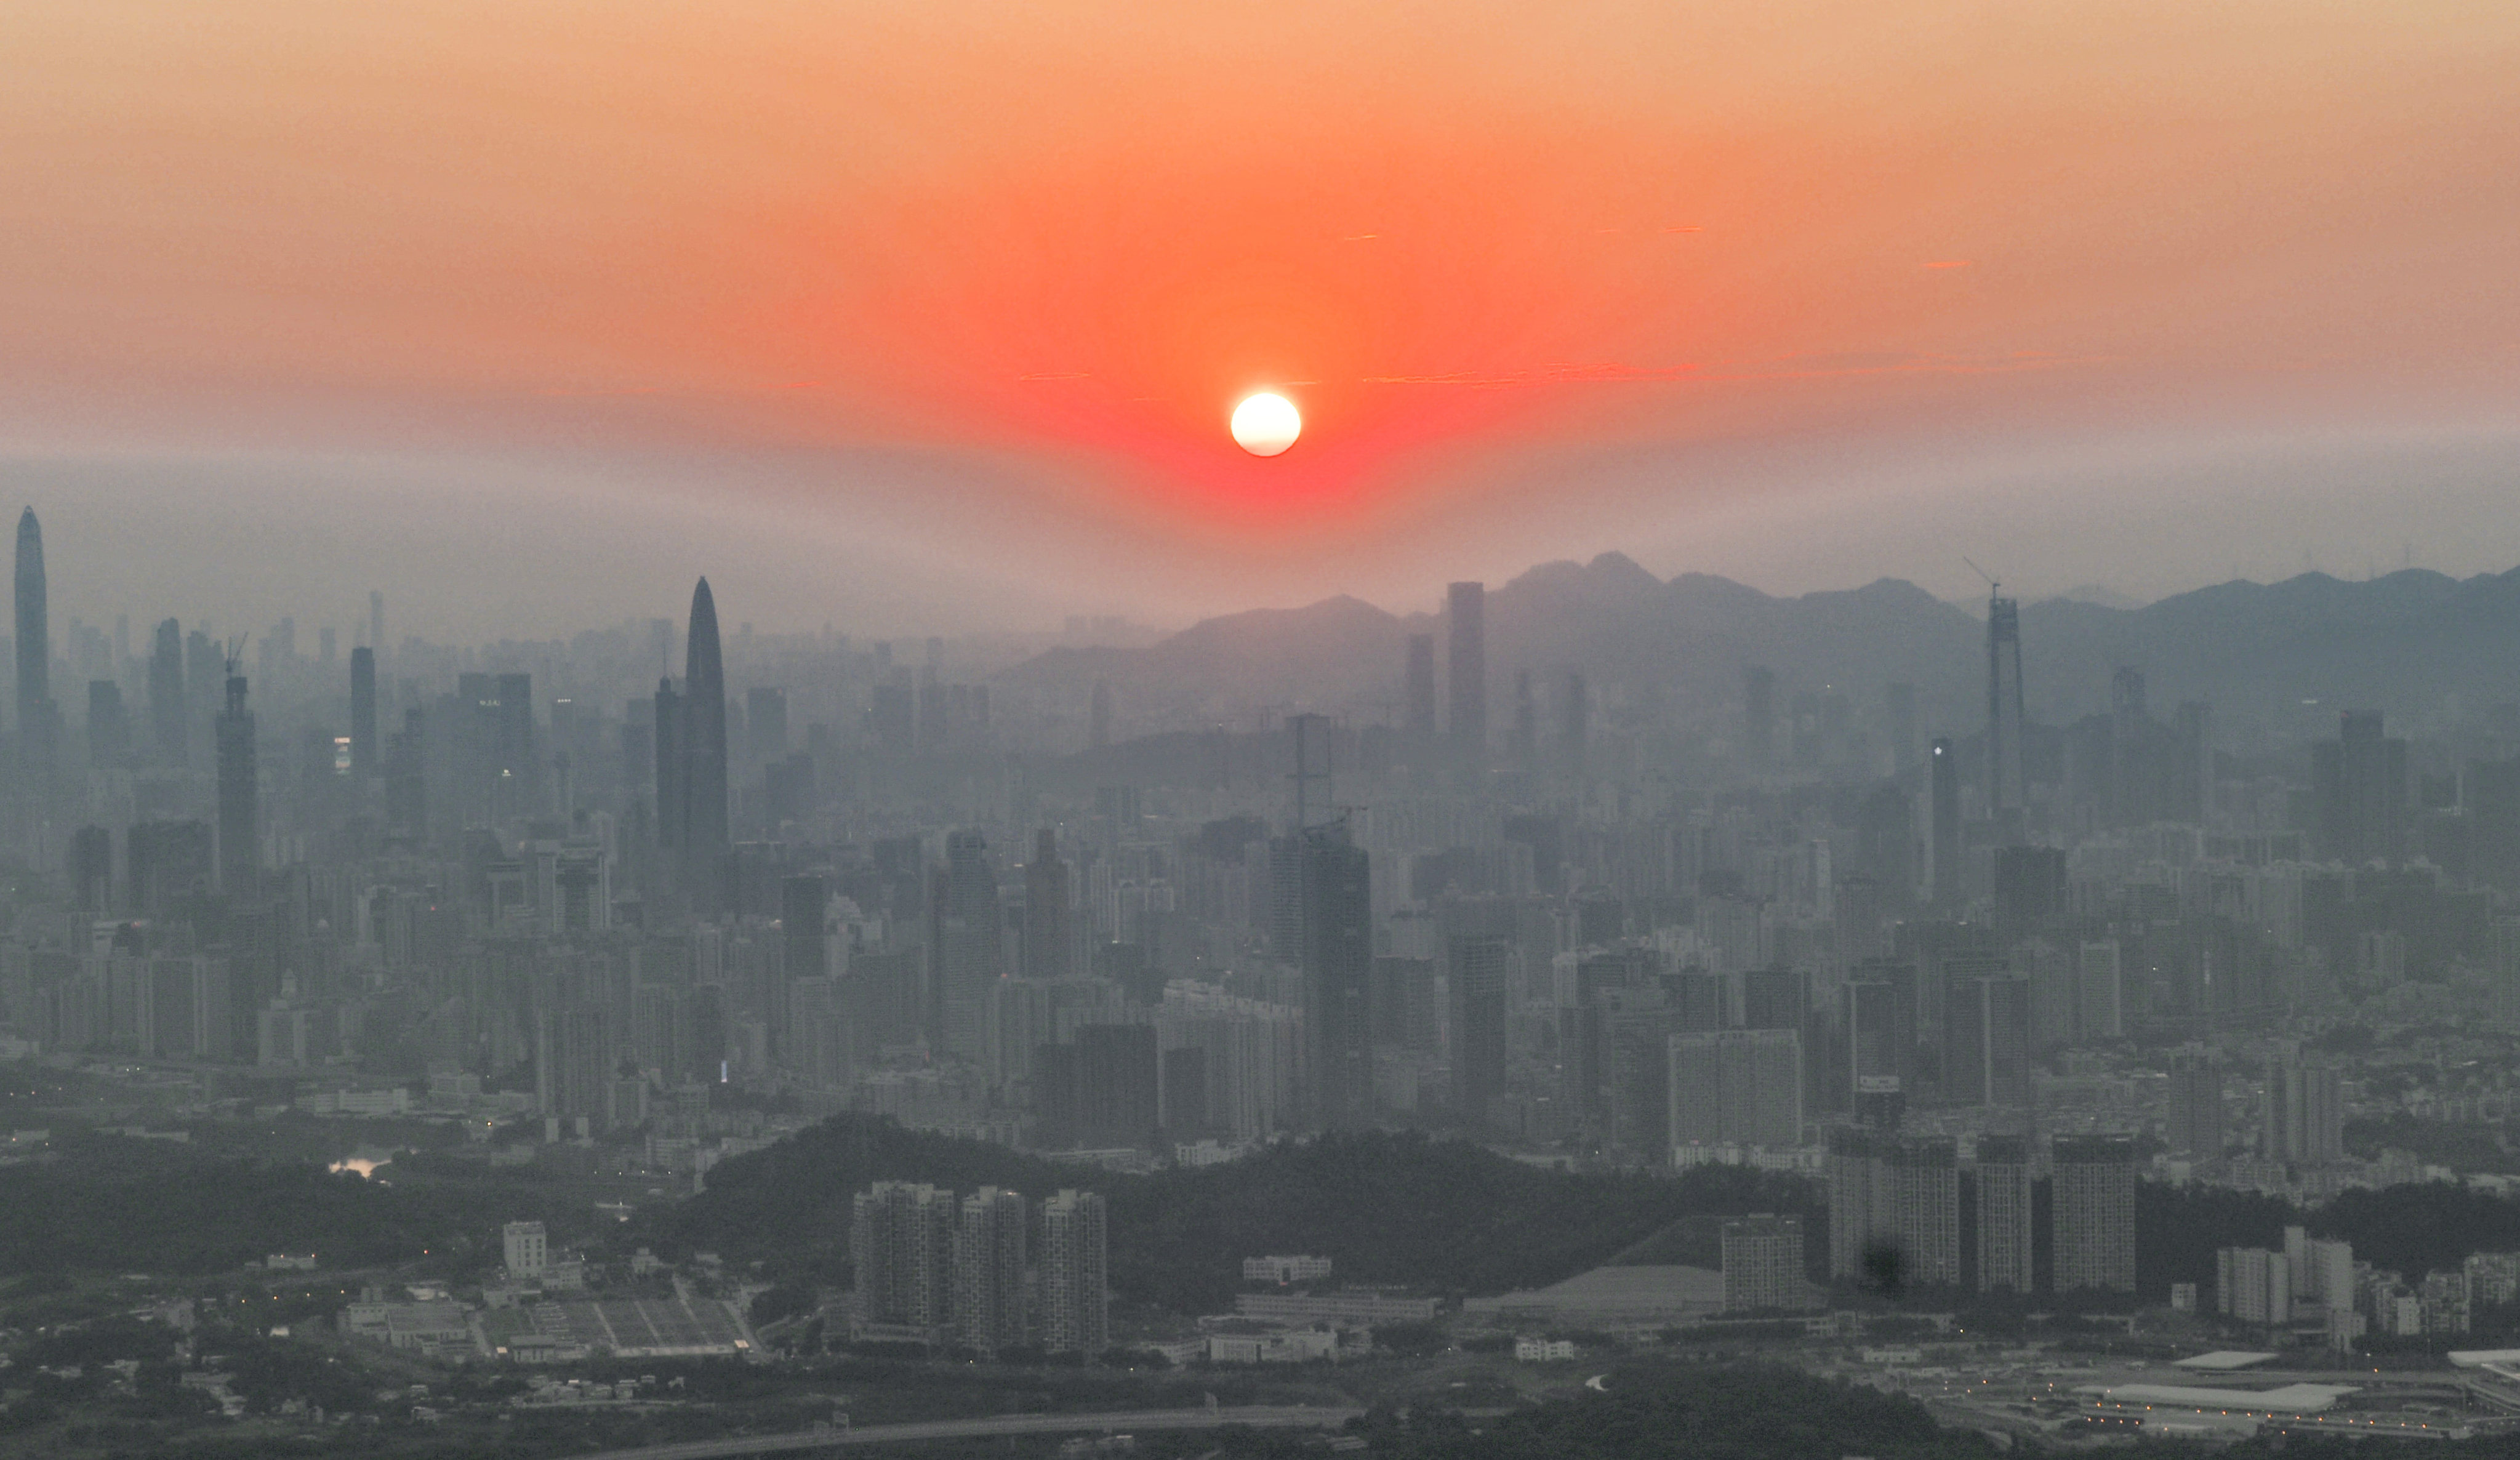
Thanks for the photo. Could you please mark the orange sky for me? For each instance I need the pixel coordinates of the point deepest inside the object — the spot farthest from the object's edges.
(1578, 262)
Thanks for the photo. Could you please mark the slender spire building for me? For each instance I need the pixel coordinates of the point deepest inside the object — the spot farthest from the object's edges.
(703, 740)
(34, 646)
(2006, 717)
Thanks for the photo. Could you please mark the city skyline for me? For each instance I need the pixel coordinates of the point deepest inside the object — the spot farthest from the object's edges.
(2148, 301)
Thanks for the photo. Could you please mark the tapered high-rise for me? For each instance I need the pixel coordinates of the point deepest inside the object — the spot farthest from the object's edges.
(704, 729)
(34, 645)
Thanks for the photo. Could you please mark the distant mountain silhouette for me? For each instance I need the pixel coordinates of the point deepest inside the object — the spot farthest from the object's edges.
(2256, 651)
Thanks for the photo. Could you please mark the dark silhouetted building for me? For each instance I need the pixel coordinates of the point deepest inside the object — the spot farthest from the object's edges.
(167, 728)
(1047, 929)
(1337, 915)
(1950, 882)
(364, 762)
(2006, 718)
(1476, 969)
(2359, 781)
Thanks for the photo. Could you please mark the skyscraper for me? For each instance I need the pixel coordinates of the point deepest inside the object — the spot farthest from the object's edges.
(1986, 1041)
(704, 748)
(2304, 1109)
(1417, 712)
(377, 621)
(2195, 1124)
(1758, 713)
(167, 729)
(1075, 1274)
(2005, 708)
(363, 713)
(240, 813)
(2093, 1218)
(34, 648)
(673, 808)
(2004, 1220)
(1466, 613)
(1951, 884)
(2359, 781)
(1475, 976)
(964, 947)
(1337, 915)
(1047, 929)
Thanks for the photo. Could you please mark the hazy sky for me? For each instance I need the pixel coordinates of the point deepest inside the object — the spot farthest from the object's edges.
(930, 315)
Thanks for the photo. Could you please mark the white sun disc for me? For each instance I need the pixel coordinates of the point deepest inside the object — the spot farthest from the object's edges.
(1266, 424)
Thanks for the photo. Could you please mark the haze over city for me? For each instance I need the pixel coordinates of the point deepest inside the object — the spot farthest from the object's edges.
(1070, 730)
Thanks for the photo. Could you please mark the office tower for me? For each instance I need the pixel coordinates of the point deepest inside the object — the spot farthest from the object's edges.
(1476, 969)
(109, 727)
(1335, 914)
(2303, 1110)
(363, 714)
(239, 811)
(1774, 998)
(1048, 924)
(2251, 1284)
(406, 785)
(1418, 714)
(989, 1272)
(516, 764)
(2003, 1220)
(377, 621)
(2359, 783)
(34, 649)
(703, 748)
(1763, 1265)
(1951, 882)
(1902, 697)
(1985, 1042)
(1098, 733)
(673, 808)
(1465, 613)
(1075, 1274)
(1759, 713)
(2195, 1123)
(1184, 1076)
(965, 951)
(1886, 829)
(802, 900)
(2005, 715)
(166, 726)
(91, 870)
(901, 1248)
(1879, 1020)
(2093, 1214)
(1735, 1088)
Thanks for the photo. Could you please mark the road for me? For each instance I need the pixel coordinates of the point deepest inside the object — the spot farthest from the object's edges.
(1259, 1416)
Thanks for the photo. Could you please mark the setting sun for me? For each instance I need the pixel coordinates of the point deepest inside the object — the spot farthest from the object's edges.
(1266, 424)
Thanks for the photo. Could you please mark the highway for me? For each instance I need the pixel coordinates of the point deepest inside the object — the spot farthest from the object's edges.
(1271, 1416)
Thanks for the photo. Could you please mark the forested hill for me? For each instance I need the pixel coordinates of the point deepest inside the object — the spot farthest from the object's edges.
(1442, 1216)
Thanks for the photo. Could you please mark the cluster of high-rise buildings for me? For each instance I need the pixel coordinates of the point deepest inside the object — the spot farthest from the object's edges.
(989, 1272)
(1810, 926)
